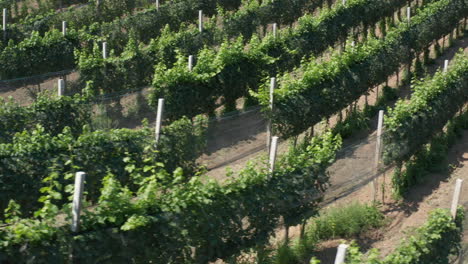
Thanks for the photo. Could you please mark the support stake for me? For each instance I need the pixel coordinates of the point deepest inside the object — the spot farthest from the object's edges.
(456, 198)
(274, 148)
(341, 254)
(408, 14)
(200, 21)
(4, 24)
(378, 148)
(77, 200)
(159, 116)
(104, 50)
(64, 28)
(190, 63)
(269, 128)
(61, 87)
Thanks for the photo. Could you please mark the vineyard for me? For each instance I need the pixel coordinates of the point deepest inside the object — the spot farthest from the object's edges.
(234, 131)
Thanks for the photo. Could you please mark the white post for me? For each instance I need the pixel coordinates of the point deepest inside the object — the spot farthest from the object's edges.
(61, 87)
(64, 28)
(272, 89)
(408, 14)
(77, 200)
(378, 147)
(344, 2)
(274, 148)
(341, 254)
(446, 62)
(200, 20)
(157, 5)
(190, 62)
(104, 50)
(4, 23)
(159, 119)
(456, 197)
(275, 29)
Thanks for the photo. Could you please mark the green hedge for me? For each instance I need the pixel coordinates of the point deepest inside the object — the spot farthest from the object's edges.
(233, 70)
(91, 27)
(38, 54)
(432, 243)
(111, 74)
(193, 222)
(434, 101)
(326, 88)
(52, 114)
(33, 155)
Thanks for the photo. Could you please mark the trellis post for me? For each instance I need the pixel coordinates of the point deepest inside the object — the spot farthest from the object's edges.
(61, 87)
(190, 63)
(273, 151)
(341, 254)
(159, 117)
(64, 28)
(456, 198)
(378, 148)
(200, 20)
(104, 50)
(408, 14)
(269, 125)
(4, 24)
(77, 200)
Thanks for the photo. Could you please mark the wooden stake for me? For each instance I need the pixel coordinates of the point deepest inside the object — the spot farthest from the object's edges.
(272, 160)
(341, 254)
(456, 198)
(159, 117)
(61, 87)
(268, 132)
(77, 200)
